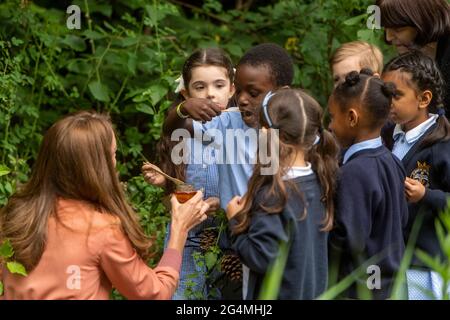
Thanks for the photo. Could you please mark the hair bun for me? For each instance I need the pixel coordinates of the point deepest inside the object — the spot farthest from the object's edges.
(367, 72)
(352, 78)
(389, 89)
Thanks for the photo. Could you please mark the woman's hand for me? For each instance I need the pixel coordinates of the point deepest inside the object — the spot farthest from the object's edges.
(189, 214)
(234, 206)
(201, 109)
(214, 205)
(152, 177)
(415, 191)
(184, 217)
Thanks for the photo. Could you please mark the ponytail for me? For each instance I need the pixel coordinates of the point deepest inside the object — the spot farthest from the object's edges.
(440, 133)
(324, 160)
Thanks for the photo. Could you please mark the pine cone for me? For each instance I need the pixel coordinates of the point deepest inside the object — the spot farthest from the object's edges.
(232, 267)
(208, 238)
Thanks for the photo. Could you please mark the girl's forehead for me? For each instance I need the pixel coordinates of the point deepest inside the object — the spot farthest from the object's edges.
(209, 71)
(399, 77)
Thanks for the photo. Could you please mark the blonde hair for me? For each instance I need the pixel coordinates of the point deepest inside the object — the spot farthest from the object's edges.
(370, 56)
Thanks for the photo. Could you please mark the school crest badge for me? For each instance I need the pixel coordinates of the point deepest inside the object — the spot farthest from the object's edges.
(422, 173)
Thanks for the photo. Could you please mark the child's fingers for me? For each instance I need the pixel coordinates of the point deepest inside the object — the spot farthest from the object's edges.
(216, 107)
(213, 201)
(408, 185)
(148, 168)
(236, 200)
(413, 181)
(409, 193)
(150, 178)
(205, 208)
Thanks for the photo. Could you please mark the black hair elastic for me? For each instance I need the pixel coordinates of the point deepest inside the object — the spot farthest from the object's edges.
(441, 112)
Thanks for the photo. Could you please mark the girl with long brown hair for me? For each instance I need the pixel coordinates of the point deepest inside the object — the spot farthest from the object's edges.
(294, 204)
(73, 230)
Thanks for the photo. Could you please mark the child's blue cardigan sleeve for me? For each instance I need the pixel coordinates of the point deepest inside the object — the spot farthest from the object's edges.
(259, 246)
(437, 199)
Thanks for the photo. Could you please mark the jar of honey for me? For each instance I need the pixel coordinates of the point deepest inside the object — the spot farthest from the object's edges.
(184, 192)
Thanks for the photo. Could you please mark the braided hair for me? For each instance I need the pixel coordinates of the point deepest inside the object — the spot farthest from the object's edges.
(425, 76)
(370, 92)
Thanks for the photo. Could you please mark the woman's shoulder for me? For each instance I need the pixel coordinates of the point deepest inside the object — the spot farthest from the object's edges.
(81, 215)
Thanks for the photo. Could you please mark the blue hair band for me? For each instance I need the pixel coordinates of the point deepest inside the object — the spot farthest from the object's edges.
(266, 100)
(317, 140)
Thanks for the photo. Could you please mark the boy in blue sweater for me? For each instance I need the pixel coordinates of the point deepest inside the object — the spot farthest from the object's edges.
(371, 208)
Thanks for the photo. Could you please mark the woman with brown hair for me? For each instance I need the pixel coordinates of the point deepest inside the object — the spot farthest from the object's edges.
(420, 25)
(73, 230)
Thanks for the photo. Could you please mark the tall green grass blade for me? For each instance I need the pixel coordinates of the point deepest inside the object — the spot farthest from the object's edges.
(272, 280)
(344, 284)
(398, 290)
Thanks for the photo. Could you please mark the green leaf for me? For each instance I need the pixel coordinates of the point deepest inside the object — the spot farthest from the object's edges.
(398, 292)
(434, 264)
(157, 92)
(354, 20)
(235, 50)
(94, 35)
(8, 187)
(6, 249)
(4, 170)
(368, 35)
(17, 268)
(272, 280)
(444, 240)
(1, 288)
(131, 63)
(76, 43)
(104, 9)
(145, 108)
(210, 259)
(99, 91)
(16, 42)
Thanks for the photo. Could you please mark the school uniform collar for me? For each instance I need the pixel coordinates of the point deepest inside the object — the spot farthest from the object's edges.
(295, 172)
(367, 144)
(414, 134)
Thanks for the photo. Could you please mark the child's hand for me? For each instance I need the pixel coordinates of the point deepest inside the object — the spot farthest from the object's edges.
(214, 205)
(201, 109)
(414, 190)
(234, 206)
(153, 177)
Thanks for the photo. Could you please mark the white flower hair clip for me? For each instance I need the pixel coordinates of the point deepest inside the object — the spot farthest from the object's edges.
(180, 82)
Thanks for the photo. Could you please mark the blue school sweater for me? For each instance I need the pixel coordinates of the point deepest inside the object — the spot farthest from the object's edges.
(371, 214)
(431, 166)
(306, 272)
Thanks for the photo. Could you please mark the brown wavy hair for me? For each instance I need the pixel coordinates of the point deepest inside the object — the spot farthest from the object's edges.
(298, 117)
(431, 18)
(75, 161)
